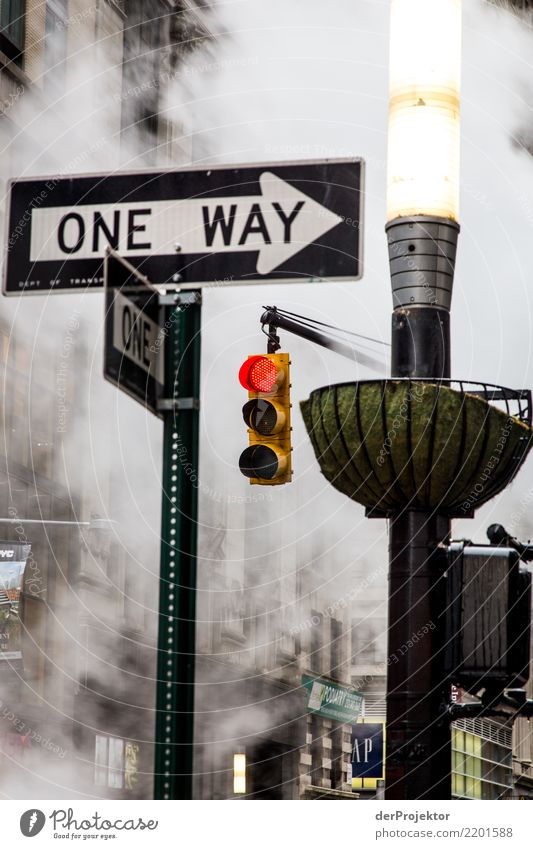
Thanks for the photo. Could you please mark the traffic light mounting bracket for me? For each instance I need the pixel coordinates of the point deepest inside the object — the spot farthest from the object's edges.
(512, 703)
(308, 328)
(180, 404)
(509, 705)
(180, 299)
(499, 536)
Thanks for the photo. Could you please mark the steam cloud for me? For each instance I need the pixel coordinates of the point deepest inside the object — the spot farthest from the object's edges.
(280, 82)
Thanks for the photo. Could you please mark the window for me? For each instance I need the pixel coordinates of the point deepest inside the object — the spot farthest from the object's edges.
(148, 123)
(55, 48)
(481, 768)
(4, 345)
(12, 27)
(109, 762)
(150, 26)
(100, 761)
(315, 655)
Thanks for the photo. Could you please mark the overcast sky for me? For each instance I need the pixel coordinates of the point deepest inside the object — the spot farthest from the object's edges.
(304, 81)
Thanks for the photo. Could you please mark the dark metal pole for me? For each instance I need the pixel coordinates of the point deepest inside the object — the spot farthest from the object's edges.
(177, 605)
(418, 731)
(422, 258)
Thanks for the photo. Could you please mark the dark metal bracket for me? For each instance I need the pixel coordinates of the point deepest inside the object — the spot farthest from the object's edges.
(180, 299)
(499, 536)
(509, 705)
(180, 404)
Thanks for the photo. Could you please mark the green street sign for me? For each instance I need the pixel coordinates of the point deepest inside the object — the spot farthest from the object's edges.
(331, 700)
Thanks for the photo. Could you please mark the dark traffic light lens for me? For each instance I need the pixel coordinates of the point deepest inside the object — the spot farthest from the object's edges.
(261, 416)
(259, 461)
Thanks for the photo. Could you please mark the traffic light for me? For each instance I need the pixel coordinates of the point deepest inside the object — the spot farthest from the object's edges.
(488, 614)
(267, 415)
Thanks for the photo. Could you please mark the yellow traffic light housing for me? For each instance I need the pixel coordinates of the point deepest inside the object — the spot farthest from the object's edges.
(267, 414)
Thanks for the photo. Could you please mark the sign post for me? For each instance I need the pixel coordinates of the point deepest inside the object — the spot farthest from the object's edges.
(177, 601)
(152, 352)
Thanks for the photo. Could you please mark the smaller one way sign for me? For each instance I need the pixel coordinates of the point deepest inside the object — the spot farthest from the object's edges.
(133, 348)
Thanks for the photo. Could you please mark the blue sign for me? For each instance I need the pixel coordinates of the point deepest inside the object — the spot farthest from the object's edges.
(368, 750)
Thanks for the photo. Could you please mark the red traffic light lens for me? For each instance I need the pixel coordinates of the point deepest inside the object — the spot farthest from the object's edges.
(258, 374)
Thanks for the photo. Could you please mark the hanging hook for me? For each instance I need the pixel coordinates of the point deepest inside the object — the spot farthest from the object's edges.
(274, 343)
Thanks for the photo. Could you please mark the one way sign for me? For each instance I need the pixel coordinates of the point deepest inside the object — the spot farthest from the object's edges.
(221, 225)
(134, 342)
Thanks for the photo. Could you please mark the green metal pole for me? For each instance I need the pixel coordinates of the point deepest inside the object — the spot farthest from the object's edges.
(177, 601)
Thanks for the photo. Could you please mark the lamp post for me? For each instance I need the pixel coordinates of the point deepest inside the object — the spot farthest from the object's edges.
(422, 231)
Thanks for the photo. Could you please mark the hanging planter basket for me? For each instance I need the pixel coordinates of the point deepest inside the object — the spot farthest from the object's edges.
(391, 444)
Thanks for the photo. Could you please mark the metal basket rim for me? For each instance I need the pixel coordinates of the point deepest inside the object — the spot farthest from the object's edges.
(510, 394)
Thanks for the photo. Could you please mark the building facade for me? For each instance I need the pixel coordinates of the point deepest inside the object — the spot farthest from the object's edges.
(266, 620)
(482, 759)
(81, 85)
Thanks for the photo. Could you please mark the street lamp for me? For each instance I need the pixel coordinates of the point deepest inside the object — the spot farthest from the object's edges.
(425, 72)
(422, 231)
(423, 181)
